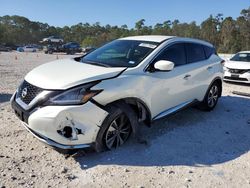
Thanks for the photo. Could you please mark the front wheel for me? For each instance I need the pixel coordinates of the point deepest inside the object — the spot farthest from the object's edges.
(211, 98)
(116, 128)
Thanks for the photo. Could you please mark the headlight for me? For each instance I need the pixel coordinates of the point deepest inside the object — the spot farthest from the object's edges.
(79, 95)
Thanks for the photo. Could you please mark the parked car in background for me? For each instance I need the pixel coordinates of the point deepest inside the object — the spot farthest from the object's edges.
(99, 99)
(27, 49)
(51, 48)
(53, 39)
(72, 48)
(237, 69)
(4, 48)
(10, 46)
(38, 47)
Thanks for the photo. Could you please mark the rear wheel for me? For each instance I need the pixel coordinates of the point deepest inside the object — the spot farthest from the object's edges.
(116, 128)
(211, 97)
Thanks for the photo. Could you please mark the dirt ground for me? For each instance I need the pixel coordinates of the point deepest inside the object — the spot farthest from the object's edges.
(189, 149)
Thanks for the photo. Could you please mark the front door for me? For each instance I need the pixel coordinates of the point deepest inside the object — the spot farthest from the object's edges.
(170, 89)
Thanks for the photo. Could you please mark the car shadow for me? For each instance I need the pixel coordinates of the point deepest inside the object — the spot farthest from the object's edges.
(190, 137)
(5, 97)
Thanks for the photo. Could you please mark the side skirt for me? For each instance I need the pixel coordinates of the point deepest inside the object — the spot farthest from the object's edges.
(175, 109)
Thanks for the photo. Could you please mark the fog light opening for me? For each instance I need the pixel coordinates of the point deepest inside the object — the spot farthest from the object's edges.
(68, 129)
(67, 132)
(70, 132)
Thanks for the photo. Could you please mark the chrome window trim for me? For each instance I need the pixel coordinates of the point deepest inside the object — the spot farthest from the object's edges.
(171, 43)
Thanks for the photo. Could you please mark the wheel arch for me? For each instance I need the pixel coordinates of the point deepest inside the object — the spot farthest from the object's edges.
(220, 84)
(215, 80)
(140, 108)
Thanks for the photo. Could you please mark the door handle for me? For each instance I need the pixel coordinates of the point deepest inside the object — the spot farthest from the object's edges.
(187, 76)
(209, 68)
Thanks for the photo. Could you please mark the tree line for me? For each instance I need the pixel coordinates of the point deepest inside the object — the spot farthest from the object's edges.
(227, 34)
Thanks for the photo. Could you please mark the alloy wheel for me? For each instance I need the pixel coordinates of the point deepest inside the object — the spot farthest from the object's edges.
(118, 131)
(213, 96)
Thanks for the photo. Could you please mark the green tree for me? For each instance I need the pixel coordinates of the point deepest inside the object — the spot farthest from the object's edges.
(139, 25)
(209, 31)
(229, 36)
(243, 25)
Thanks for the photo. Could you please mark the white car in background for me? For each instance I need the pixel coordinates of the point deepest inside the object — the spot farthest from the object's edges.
(53, 39)
(237, 69)
(27, 49)
(100, 99)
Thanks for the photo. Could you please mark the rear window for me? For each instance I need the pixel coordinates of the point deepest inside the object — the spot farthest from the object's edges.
(209, 51)
(195, 52)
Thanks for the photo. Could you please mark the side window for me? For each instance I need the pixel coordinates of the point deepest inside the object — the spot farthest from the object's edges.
(209, 51)
(175, 53)
(195, 52)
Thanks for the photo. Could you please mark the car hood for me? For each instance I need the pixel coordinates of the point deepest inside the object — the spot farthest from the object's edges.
(66, 73)
(237, 65)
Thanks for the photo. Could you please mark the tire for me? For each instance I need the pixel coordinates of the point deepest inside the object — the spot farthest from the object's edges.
(211, 98)
(116, 128)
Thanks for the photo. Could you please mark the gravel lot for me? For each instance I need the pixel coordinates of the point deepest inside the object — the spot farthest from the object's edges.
(189, 149)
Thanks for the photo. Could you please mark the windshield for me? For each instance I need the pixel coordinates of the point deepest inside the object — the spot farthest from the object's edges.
(120, 53)
(241, 57)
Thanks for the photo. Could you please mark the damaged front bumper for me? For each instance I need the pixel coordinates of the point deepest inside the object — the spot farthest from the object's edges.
(53, 143)
(64, 127)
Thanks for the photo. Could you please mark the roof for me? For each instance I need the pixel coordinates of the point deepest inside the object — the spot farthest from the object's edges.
(161, 38)
(150, 38)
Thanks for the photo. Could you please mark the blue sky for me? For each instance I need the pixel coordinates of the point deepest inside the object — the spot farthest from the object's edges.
(117, 12)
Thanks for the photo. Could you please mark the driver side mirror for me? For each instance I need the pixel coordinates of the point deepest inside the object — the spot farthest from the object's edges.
(164, 65)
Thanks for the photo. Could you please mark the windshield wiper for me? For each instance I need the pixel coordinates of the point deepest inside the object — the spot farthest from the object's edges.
(96, 63)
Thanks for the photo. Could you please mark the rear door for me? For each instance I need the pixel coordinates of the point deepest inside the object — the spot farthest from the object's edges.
(200, 69)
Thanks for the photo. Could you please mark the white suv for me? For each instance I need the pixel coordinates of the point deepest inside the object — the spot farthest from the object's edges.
(101, 98)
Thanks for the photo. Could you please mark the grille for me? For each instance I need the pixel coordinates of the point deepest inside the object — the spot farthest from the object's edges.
(28, 94)
(238, 71)
(235, 78)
